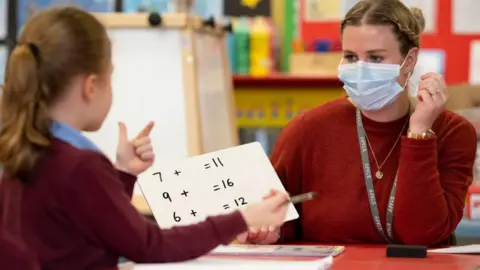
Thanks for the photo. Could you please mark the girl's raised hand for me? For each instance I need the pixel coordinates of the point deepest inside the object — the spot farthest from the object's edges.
(135, 156)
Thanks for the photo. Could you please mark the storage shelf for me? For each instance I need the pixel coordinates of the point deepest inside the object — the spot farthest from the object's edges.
(285, 81)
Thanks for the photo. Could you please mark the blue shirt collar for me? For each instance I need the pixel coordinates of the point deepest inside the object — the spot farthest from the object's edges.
(72, 136)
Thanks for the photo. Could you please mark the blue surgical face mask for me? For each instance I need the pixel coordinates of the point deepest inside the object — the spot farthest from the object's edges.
(371, 86)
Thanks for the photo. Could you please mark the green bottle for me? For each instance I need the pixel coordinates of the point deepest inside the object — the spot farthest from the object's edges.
(242, 46)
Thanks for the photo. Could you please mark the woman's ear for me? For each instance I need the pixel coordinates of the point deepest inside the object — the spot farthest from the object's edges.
(410, 61)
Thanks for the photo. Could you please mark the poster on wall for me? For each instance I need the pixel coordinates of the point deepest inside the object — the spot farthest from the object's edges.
(3, 61)
(132, 6)
(3, 19)
(207, 8)
(474, 75)
(27, 8)
(202, 8)
(322, 10)
(465, 18)
(429, 9)
(346, 6)
(250, 8)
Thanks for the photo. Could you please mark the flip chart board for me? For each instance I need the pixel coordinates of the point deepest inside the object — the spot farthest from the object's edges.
(143, 92)
(215, 93)
(155, 79)
(215, 183)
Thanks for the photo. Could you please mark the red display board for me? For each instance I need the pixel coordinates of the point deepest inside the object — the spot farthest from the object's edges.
(456, 47)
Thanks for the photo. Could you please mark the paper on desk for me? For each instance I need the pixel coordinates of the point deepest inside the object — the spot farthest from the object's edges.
(232, 264)
(279, 250)
(468, 249)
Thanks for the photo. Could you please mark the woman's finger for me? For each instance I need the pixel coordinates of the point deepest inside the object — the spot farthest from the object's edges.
(428, 75)
(425, 97)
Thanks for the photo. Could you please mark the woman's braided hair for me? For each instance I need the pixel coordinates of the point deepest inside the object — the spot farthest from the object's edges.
(407, 23)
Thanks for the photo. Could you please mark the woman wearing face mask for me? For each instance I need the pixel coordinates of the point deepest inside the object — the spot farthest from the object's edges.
(387, 170)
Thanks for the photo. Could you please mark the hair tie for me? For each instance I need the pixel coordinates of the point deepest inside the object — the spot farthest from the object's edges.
(35, 51)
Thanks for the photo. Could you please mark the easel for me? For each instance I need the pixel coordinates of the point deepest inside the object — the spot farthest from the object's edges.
(186, 128)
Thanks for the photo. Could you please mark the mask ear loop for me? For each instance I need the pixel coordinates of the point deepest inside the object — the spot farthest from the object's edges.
(411, 91)
(407, 81)
(404, 60)
(340, 63)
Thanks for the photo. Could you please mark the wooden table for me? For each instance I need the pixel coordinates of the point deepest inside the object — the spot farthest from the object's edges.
(374, 258)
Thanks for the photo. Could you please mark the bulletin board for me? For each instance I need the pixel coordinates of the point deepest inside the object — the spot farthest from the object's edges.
(132, 6)
(27, 8)
(156, 79)
(456, 44)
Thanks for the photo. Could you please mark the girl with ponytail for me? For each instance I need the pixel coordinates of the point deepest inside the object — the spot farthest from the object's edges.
(58, 193)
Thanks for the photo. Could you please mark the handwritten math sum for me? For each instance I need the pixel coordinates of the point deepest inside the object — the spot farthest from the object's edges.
(189, 191)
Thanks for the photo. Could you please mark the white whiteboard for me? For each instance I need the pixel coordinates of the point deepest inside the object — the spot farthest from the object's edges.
(213, 93)
(215, 183)
(147, 86)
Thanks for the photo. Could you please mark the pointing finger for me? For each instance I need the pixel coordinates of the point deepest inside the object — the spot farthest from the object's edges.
(146, 130)
(142, 141)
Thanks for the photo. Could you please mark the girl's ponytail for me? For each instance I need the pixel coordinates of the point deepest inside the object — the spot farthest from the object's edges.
(25, 121)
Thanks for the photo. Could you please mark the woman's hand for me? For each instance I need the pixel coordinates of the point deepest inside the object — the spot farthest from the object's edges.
(262, 236)
(268, 232)
(134, 156)
(432, 96)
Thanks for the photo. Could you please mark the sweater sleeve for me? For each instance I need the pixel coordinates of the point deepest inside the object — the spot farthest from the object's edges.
(286, 158)
(128, 181)
(432, 185)
(96, 202)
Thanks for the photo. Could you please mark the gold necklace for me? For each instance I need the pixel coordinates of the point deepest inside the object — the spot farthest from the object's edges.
(379, 173)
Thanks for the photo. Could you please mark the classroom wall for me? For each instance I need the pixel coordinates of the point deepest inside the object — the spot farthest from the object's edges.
(455, 31)
(305, 20)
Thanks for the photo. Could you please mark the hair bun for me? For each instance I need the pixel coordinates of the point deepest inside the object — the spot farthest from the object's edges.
(418, 14)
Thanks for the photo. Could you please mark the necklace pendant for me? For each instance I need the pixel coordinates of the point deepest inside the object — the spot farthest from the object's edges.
(379, 175)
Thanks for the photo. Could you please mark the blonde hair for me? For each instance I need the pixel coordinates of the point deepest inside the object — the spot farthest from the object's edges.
(57, 45)
(407, 24)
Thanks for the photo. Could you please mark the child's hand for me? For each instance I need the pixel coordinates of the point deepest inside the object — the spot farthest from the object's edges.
(268, 214)
(137, 155)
